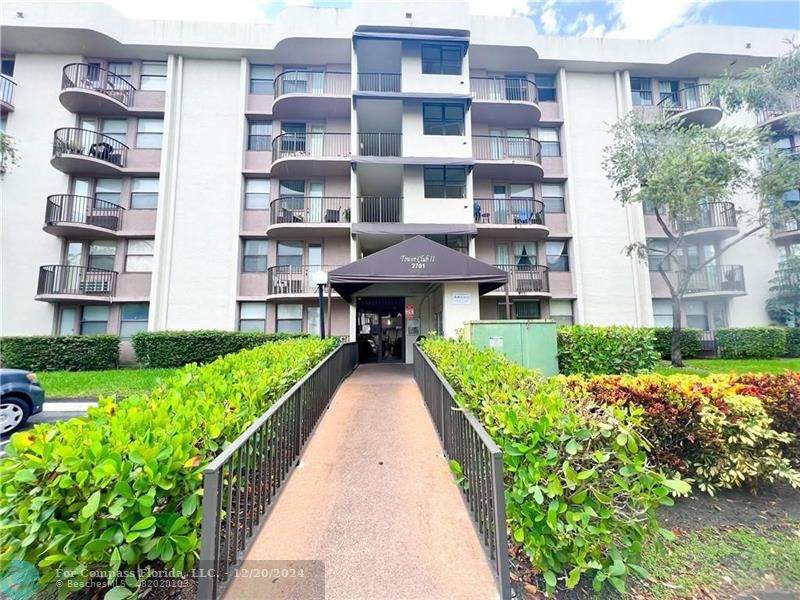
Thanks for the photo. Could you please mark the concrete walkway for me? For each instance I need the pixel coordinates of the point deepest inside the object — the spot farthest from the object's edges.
(375, 502)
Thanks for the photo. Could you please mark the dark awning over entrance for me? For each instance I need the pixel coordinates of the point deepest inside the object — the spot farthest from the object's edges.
(416, 260)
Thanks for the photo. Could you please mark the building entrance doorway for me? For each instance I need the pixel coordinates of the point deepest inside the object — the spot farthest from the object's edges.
(380, 324)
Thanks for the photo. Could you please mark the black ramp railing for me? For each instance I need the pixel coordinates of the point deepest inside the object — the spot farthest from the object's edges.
(466, 441)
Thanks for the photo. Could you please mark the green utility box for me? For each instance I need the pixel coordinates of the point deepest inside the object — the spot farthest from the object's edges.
(531, 343)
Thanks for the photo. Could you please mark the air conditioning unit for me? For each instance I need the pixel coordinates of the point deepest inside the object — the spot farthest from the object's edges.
(98, 286)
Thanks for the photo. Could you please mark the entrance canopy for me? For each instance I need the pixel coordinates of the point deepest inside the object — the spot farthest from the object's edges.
(416, 260)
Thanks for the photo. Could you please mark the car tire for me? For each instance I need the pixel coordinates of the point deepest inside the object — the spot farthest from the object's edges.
(14, 413)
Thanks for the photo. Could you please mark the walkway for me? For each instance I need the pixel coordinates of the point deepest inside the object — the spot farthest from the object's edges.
(374, 500)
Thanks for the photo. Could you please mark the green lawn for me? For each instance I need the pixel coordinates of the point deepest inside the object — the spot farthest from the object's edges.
(700, 366)
(93, 383)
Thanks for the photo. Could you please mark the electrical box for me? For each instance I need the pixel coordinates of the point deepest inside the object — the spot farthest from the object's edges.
(531, 343)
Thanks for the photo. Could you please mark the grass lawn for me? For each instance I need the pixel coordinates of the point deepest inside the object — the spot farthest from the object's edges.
(701, 366)
(93, 383)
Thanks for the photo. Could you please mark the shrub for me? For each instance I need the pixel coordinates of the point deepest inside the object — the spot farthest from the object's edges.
(589, 349)
(792, 342)
(60, 353)
(124, 485)
(178, 348)
(751, 342)
(691, 342)
(780, 394)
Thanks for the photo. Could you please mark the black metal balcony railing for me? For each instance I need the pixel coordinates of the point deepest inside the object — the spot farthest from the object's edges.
(75, 281)
(380, 144)
(314, 83)
(786, 283)
(496, 147)
(787, 225)
(379, 82)
(294, 279)
(70, 208)
(7, 90)
(687, 98)
(503, 89)
(310, 209)
(311, 145)
(524, 278)
(789, 105)
(84, 142)
(97, 79)
(380, 209)
(508, 211)
(717, 278)
(711, 215)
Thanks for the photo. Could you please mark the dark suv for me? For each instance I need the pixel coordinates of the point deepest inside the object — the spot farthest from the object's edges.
(20, 397)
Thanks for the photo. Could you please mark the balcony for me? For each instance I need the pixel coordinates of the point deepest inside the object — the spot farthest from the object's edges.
(294, 280)
(306, 154)
(85, 152)
(533, 280)
(7, 86)
(786, 230)
(504, 100)
(380, 209)
(776, 117)
(716, 220)
(308, 94)
(380, 83)
(380, 144)
(717, 280)
(693, 105)
(504, 157)
(82, 216)
(67, 282)
(516, 217)
(308, 215)
(786, 283)
(89, 89)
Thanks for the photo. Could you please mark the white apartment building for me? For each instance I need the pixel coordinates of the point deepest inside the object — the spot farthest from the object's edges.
(179, 175)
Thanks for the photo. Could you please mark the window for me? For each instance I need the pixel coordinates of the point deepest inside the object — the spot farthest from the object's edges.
(546, 86)
(252, 316)
(668, 93)
(259, 135)
(526, 309)
(290, 254)
(261, 79)
(254, 257)
(553, 197)
(94, 320)
(657, 248)
(101, 255)
(121, 70)
(144, 192)
(133, 318)
(256, 194)
(445, 182)
(115, 128)
(289, 318)
(441, 59)
(548, 138)
(443, 119)
(454, 242)
(561, 312)
(154, 76)
(149, 133)
(557, 255)
(7, 67)
(312, 320)
(641, 91)
(696, 315)
(108, 190)
(140, 256)
(662, 312)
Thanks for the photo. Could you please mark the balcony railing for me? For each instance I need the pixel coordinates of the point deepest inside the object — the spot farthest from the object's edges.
(379, 82)
(294, 279)
(380, 144)
(687, 98)
(497, 147)
(75, 281)
(314, 83)
(311, 145)
(717, 278)
(503, 89)
(787, 225)
(789, 105)
(84, 142)
(84, 210)
(7, 90)
(786, 283)
(97, 79)
(310, 209)
(508, 211)
(380, 209)
(711, 215)
(527, 278)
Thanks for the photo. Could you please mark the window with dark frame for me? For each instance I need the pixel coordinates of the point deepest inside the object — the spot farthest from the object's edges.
(548, 138)
(139, 258)
(133, 318)
(546, 87)
(289, 318)
(149, 133)
(254, 256)
(262, 79)
(441, 59)
(641, 91)
(154, 76)
(102, 255)
(557, 255)
(108, 189)
(144, 193)
(256, 193)
(94, 319)
(252, 316)
(445, 182)
(561, 312)
(443, 119)
(553, 197)
(259, 135)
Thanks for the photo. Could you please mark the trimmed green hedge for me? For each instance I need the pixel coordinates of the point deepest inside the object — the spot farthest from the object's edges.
(60, 353)
(691, 342)
(751, 342)
(613, 349)
(792, 342)
(178, 348)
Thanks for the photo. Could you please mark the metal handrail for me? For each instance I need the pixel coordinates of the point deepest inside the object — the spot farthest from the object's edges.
(380, 209)
(310, 209)
(311, 145)
(687, 98)
(85, 142)
(711, 215)
(716, 278)
(7, 86)
(504, 89)
(379, 82)
(787, 225)
(314, 83)
(527, 278)
(509, 211)
(503, 147)
(74, 280)
(255, 467)
(465, 441)
(84, 210)
(789, 105)
(97, 79)
(380, 144)
(294, 279)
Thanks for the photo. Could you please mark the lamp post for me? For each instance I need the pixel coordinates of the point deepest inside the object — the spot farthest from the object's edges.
(320, 280)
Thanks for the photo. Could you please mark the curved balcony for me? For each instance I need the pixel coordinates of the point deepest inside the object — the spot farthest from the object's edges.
(306, 94)
(79, 284)
(693, 105)
(294, 280)
(529, 280)
(716, 220)
(307, 215)
(82, 216)
(505, 100)
(89, 89)
(505, 157)
(776, 117)
(717, 280)
(786, 283)
(7, 86)
(517, 218)
(85, 152)
(310, 154)
(786, 230)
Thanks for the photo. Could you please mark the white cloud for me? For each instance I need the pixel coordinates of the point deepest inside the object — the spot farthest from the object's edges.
(499, 8)
(641, 20)
(586, 24)
(549, 17)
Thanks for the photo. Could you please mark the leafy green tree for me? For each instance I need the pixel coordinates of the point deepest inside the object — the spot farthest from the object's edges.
(783, 305)
(9, 155)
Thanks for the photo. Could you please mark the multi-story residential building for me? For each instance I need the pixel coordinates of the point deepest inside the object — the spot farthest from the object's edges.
(185, 177)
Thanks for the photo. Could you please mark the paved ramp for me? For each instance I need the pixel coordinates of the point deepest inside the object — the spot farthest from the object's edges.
(375, 502)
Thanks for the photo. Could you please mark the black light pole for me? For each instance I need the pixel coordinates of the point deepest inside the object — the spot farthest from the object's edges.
(321, 278)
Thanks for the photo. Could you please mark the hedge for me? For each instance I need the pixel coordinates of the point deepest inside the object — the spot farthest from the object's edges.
(613, 349)
(178, 348)
(751, 342)
(792, 342)
(123, 487)
(691, 342)
(60, 353)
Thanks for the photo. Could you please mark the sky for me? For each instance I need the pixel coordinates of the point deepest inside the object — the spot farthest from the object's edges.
(636, 19)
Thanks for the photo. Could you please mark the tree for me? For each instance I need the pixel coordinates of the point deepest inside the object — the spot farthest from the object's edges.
(783, 305)
(9, 156)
